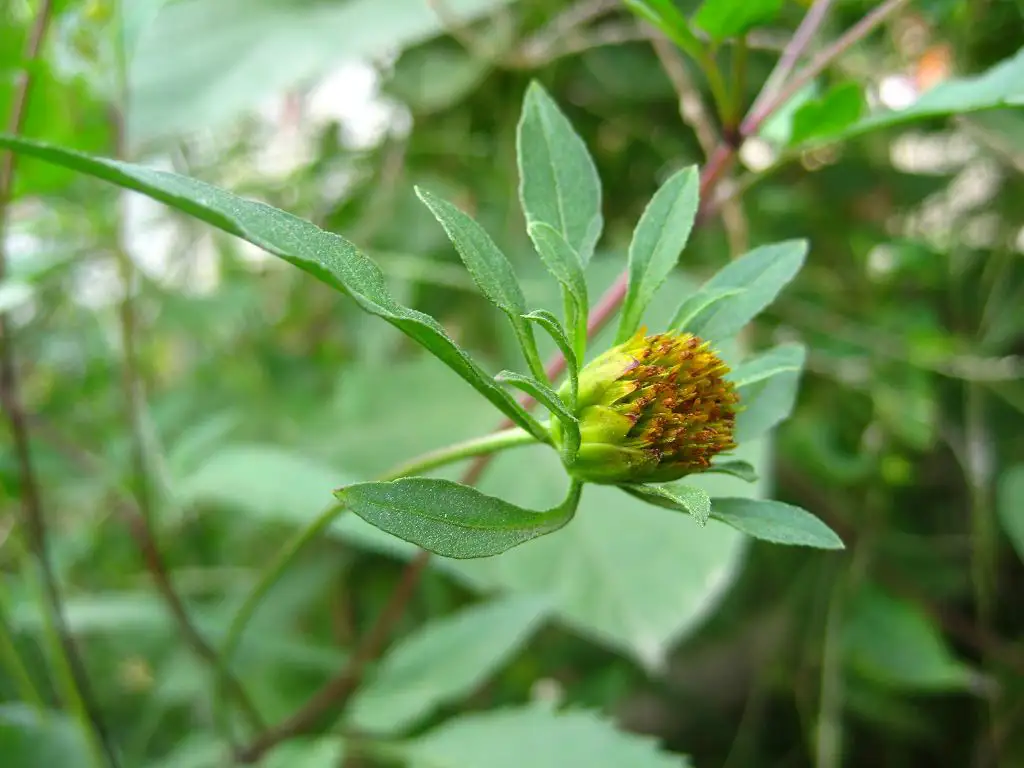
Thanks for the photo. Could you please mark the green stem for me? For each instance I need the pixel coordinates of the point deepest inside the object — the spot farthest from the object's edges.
(737, 75)
(719, 93)
(487, 444)
(15, 665)
(478, 446)
(528, 343)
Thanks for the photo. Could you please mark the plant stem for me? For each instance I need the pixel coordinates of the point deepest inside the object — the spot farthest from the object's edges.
(15, 665)
(484, 445)
(336, 692)
(34, 519)
(737, 75)
(332, 695)
(818, 64)
(795, 48)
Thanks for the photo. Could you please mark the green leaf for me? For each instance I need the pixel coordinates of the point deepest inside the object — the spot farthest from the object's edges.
(535, 737)
(558, 182)
(547, 397)
(767, 385)
(444, 661)
(434, 77)
(33, 739)
(451, 519)
(1002, 85)
(606, 573)
(683, 498)
(490, 269)
(549, 323)
(1010, 505)
(892, 641)
(658, 239)
(776, 522)
(248, 477)
(697, 304)
(841, 106)
(742, 470)
(325, 255)
(239, 53)
(731, 18)
(324, 752)
(761, 274)
(564, 263)
(665, 16)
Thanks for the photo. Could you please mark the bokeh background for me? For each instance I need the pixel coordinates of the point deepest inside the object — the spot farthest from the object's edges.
(252, 390)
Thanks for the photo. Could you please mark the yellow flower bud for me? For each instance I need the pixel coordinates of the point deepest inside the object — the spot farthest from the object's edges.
(652, 409)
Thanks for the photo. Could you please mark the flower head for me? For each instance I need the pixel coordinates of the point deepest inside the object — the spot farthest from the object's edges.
(652, 409)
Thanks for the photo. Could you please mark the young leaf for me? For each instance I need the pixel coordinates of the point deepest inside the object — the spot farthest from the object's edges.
(490, 269)
(665, 16)
(696, 304)
(564, 263)
(775, 521)
(325, 255)
(450, 519)
(444, 661)
(838, 108)
(767, 385)
(659, 238)
(731, 18)
(761, 273)
(1000, 86)
(684, 498)
(547, 397)
(743, 470)
(558, 182)
(538, 737)
(550, 323)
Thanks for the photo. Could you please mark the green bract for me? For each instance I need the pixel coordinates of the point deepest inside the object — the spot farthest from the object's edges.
(653, 409)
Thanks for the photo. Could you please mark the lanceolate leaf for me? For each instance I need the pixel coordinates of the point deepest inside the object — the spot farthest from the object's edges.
(697, 304)
(450, 519)
(767, 385)
(547, 397)
(325, 255)
(742, 470)
(558, 182)
(564, 263)
(1001, 86)
(776, 522)
(731, 18)
(489, 267)
(659, 238)
(761, 274)
(665, 16)
(549, 323)
(684, 498)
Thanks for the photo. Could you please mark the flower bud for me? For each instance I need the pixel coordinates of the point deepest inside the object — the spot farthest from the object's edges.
(652, 409)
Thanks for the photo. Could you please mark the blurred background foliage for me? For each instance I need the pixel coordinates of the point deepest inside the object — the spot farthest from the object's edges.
(259, 390)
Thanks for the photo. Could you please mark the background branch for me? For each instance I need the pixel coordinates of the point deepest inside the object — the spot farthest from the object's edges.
(34, 519)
